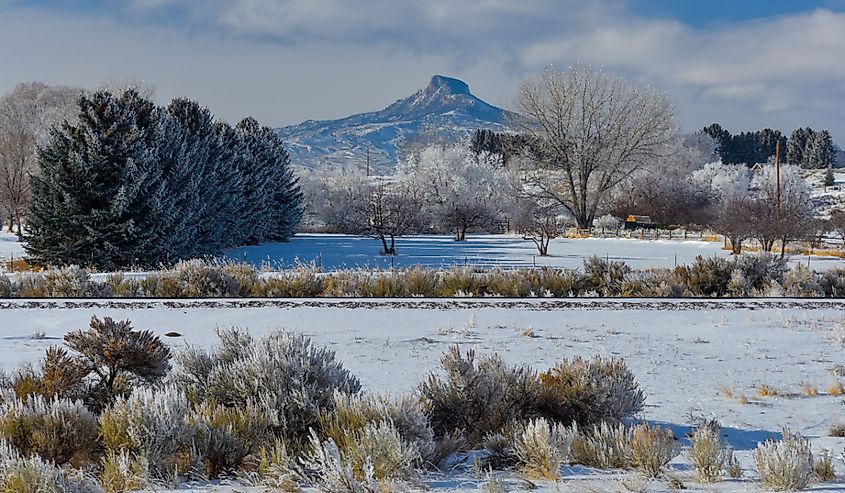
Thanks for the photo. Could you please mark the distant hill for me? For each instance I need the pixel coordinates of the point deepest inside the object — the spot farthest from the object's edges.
(443, 110)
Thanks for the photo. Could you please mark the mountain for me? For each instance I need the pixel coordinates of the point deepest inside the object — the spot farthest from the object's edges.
(443, 110)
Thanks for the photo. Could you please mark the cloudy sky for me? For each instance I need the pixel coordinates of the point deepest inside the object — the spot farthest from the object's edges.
(747, 64)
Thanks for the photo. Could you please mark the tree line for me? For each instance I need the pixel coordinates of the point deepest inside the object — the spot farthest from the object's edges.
(132, 184)
(804, 147)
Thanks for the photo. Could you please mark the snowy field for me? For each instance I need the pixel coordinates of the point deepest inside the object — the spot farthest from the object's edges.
(333, 252)
(684, 353)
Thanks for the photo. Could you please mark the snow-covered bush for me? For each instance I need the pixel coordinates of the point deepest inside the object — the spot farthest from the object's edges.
(151, 425)
(800, 282)
(332, 473)
(541, 447)
(760, 270)
(353, 413)
(21, 474)
(5, 286)
(707, 276)
(226, 437)
(787, 464)
(707, 454)
(58, 430)
(283, 370)
(381, 447)
(588, 391)
(302, 282)
(477, 397)
(652, 448)
(124, 471)
(65, 282)
(277, 469)
(603, 276)
(603, 445)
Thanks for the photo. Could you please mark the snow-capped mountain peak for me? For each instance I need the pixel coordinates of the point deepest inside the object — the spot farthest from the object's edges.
(444, 109)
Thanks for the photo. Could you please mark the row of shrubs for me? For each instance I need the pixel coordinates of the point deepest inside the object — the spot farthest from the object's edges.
(283, 413)
(742, 276)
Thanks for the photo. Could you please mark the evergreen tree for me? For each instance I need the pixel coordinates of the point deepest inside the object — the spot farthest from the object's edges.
(136, 185)
(821, 152)
(96, 200)
(828, 177)
(797, 144)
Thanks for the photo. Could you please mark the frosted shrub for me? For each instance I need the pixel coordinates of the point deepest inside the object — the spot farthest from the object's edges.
(277, 469)
(227, 436)
(707, 276)
(58, 430)
(331, 473)
(604, 277)
(759, 271)
(353, 413)
(800, 282)
(832, 282)
(284, 370)
(302, 282)
(823, 467)
(65, 282)
(201, 279)
(652, 448)
(541, 448)
(785, 465)
(604, 445)
(149, 424)
(589, 391)
(19, 474)
(707, 454)
(5, 286)
(478, 397)
(380, 448)
(124, 471)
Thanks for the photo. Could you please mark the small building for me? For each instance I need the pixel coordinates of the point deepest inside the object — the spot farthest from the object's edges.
(634, 221)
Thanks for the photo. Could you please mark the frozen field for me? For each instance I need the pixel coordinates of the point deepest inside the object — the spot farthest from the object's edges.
(333, 252)
(684, 353)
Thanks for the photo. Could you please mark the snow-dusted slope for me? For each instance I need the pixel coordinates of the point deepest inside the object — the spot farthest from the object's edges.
(445, 109)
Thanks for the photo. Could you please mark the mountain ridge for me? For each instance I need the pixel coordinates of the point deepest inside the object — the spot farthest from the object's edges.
(445, 109)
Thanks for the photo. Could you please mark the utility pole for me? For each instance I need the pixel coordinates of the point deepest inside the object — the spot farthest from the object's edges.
(777, 171)
(368, 159)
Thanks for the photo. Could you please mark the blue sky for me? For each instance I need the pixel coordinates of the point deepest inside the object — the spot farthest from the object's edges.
(747, 64)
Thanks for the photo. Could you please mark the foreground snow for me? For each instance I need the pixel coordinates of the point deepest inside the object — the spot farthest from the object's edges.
(684, 354)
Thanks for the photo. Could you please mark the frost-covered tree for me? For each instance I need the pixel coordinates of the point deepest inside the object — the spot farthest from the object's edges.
(821, 152)
(133, 184)
(26, 115)
(796, 146)
(94, 200)
(780, 214)
(459, 189)
(590, 131)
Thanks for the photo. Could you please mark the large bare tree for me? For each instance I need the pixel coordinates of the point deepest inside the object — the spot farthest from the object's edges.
(590, 130)
(26, 115)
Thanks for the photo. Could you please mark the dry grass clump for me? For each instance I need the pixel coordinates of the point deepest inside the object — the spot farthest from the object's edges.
(836, 388)
(823, 467)
(836, 428)
(809, 389)
(707, 454)
(124, 471)
(651, 449)
(604, 445)
(785, 465)
(766, 390)
(20, 474)
(541, 447)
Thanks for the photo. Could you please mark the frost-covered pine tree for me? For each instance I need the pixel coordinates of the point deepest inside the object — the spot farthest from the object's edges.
(821, 151)
(95, 200)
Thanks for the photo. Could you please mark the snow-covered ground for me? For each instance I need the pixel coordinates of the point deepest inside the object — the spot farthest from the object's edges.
(332, 252)
(684, 353)
(10, 247)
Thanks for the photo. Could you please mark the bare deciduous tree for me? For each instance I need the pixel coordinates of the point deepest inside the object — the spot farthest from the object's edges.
(26, 115)
(590, 131)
